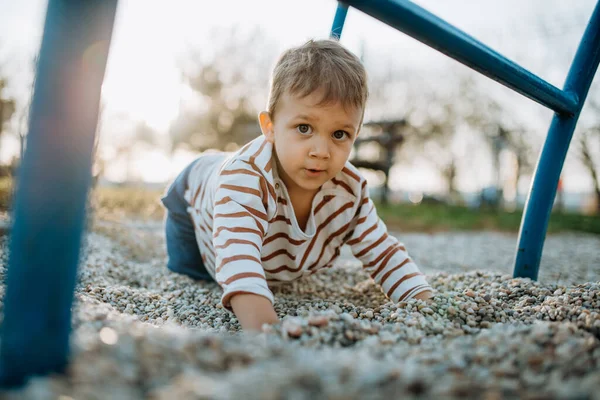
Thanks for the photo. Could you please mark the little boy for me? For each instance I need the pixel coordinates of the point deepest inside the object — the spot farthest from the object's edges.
(282, 206)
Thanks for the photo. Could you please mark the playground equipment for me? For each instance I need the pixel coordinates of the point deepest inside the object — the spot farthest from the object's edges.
(55, 175)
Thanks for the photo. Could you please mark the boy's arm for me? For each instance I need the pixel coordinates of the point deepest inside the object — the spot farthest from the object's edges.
(426, 295)
(253, 311)
(383, 257)
(239, 224)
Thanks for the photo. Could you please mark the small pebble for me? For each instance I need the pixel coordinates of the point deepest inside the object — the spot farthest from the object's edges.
(486, 335)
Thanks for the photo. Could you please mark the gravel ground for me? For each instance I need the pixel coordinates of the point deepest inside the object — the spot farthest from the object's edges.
(143, 332)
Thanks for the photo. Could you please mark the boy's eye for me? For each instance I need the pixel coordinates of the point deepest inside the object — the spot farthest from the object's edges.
(304, 129)
(339, 135)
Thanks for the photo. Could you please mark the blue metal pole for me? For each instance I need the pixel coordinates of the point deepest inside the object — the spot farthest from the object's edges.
(338, 20)
(438, 34)
(52, 186)
(543, 189)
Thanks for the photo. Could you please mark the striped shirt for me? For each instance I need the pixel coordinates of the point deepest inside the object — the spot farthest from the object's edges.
(249, 238)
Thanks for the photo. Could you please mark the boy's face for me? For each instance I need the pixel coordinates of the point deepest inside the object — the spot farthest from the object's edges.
(312, 143)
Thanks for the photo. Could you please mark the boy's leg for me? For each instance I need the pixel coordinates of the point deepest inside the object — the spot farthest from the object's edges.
(182, 248)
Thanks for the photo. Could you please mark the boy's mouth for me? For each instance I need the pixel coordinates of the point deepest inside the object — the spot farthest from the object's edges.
(314, 172)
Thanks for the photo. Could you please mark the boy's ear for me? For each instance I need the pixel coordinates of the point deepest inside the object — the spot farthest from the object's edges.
(266, 126)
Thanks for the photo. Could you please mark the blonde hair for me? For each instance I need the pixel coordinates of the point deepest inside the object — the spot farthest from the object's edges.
(320, 65)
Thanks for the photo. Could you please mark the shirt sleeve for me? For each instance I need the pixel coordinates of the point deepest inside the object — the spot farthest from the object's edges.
(239, 225)
(383, 256)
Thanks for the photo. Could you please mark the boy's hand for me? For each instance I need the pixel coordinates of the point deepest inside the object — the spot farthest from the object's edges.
(253, 311)
(426, 295)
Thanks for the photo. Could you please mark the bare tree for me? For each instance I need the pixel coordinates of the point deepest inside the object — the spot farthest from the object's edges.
(437, 115)
(7, 106)
(227, 85)
(586, 142)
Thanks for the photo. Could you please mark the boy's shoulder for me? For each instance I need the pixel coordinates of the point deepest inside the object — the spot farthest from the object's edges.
(349, 179)
(255, 155)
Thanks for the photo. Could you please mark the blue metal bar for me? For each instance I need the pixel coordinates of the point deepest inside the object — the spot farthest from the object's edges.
(53, 182)
(338, 20)
(438, 34)
(543, 189)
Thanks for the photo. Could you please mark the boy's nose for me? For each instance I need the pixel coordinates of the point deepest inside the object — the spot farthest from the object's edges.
(319, 149)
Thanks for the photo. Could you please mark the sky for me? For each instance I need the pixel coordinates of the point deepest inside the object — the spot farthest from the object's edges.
(151, 38)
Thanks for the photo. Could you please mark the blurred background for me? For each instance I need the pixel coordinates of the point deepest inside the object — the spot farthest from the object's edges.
(443, 147)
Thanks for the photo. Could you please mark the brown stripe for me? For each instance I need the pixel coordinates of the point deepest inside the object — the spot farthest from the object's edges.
(209, 249)
(240, 171)
(371, 210)
(351, 174)
(343, 184)
(348, 236)
(252, 165)
(252, 211)
(358, 223)
(202, 196)
(320, 228)
(281, 268)
(381, 255)
(365, 233)
(391, 271)
(239, 257)
(242, 275)
(237, 241)
(269, 186)
(241, 189)
(263, 190)
(410, 292)
(327, 241)
(245, 148)
(326, 199)
(195, 196)
(404, 278)
(234, 215)
(285, 236)
(385, 261)
(255, 155)
(224, 200)
(268, 166)
(255, 212)
(202, 228)
(235, 230)
(363, 185)
(271, 191)
(241, 214)
(372, 246)
(282, 201)
(281, 218)
(202, 223)
(335, 254)
(278, 253)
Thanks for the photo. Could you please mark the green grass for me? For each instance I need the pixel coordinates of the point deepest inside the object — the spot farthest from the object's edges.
(433, 218)
(115, 202)
(127, 202)
(5, 193)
